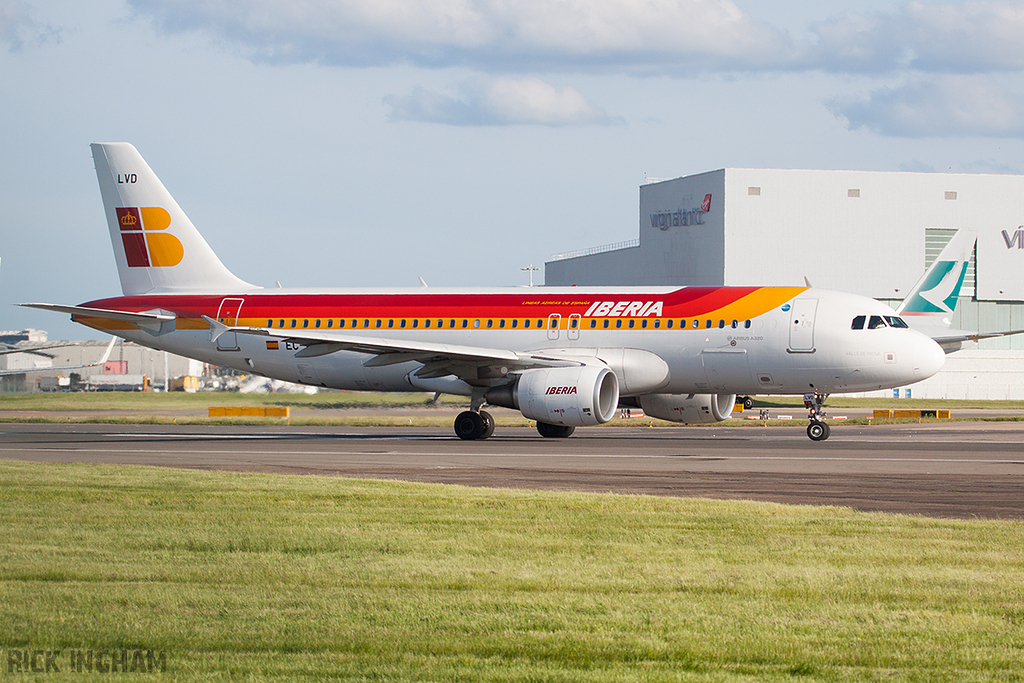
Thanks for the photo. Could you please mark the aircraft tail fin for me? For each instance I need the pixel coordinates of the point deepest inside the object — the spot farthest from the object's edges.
(935, 295)
(156, 247)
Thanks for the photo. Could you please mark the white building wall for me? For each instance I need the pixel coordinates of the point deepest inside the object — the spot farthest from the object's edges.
(863, 232)
(974, 374)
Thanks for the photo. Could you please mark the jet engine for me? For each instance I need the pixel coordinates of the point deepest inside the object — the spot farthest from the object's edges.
(689, 409)
(572, 397)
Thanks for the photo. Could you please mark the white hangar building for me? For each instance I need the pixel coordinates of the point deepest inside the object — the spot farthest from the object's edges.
(871, 233)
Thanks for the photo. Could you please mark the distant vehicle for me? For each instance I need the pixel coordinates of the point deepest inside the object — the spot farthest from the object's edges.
(565, 357)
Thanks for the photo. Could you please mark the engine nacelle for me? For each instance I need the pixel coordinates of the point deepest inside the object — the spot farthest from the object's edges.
(572, 397)
(688, 409)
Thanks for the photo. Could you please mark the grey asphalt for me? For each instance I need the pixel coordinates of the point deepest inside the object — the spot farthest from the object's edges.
(937, 469)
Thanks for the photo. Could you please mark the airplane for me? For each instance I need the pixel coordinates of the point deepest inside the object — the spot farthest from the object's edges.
(929, 306)
(38, 350)
(564, 357)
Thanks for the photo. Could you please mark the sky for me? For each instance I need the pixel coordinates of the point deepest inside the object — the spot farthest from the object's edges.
(352, 143)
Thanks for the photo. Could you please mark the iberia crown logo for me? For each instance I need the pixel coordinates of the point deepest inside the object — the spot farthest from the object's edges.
(143, 247)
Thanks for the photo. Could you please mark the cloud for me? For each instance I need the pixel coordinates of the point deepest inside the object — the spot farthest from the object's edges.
(498, 101)
(17, 26)
(968, 37)
(492, 35)
(946, 106)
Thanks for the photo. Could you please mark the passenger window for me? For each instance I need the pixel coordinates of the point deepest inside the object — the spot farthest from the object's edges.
(526, 323)
(415, 323)
(440, 323)
(746, 324)
(490, 324)
(735, 324)
(330, 322)
(896, 321)
(657, 324)
(515, 323)
(305, 323)
(593, 323)
(293, 322)
(280, 323)
(618, 324)
(643, 324)
(696, 324)
(270, 323)
(366, 322)
(501, 324)
(875, 322)
(668, 324)
(540, 323)
(317, 323)
(605, 323)
(721, 324)
(426, 323)
(451, 323)
(858, 322)
(707, 324)
(573, 323)
(401, 323)
(377, 324)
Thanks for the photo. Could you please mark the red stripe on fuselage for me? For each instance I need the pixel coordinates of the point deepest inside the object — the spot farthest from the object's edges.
(685, 302)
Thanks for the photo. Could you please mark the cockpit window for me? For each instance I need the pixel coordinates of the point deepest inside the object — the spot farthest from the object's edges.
(875, 322)
(896, 321)
(858, 322)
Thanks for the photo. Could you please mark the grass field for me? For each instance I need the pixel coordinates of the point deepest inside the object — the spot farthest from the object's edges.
(262, 578)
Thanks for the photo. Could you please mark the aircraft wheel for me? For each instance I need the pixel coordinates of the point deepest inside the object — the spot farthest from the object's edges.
(818, 431)
(551, 431)
(748, 403)
(469, 426)
(488, 424)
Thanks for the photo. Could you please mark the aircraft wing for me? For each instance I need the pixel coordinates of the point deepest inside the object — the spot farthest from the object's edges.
(101, 361)
(33, 349)
(952, 340)
(438, 360)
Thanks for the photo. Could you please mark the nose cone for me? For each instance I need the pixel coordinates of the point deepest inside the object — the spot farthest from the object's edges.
(928, 358)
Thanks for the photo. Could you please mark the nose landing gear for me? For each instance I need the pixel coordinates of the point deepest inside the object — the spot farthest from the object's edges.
(818, 430)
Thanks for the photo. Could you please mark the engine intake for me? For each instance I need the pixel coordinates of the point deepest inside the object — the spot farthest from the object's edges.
(572, 397)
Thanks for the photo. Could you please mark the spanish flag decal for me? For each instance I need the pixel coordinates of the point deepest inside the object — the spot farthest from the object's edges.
(272, 345)
(144, 247)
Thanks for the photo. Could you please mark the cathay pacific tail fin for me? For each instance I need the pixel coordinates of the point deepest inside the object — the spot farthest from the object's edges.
(156, 247)
(933, 298)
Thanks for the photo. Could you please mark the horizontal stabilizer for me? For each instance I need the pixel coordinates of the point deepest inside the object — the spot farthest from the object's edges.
(85, 311)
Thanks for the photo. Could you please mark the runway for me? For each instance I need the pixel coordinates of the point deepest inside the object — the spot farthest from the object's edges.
(944, 470)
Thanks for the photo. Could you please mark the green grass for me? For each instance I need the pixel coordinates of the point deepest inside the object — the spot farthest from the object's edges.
(260, 577)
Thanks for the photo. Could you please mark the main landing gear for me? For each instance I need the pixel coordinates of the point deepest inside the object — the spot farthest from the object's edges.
(551, 431)
(470, 425)
(818, 430)
(474, 424)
